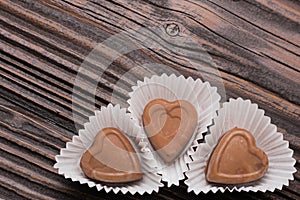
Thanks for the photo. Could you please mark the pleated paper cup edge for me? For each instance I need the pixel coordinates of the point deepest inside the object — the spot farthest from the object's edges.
(199, 130)
(255, 188)
(133, 189)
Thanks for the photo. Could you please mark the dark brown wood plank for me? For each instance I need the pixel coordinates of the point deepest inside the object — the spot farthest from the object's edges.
(255, 45)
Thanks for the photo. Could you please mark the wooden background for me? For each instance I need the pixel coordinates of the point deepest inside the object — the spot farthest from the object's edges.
(255, 45)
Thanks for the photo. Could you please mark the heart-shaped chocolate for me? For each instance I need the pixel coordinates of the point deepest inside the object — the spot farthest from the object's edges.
(236, 159)
(169, 126)
(111, 158)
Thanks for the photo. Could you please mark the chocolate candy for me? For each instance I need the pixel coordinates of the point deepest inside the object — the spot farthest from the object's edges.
(111, 158)
(169, 126)
(236, 159)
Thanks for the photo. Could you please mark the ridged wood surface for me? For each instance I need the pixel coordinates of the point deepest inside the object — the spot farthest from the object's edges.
(254, 44)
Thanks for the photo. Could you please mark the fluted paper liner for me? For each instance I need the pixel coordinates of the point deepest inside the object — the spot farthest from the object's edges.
(68, 162)
(244, 114)
(200, 94)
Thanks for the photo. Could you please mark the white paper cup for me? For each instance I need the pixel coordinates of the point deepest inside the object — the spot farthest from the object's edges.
(200, 94)
(244, 114)
(68, 162)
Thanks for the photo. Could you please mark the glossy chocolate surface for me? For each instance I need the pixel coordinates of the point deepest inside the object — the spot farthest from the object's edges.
(236, 159)
(111, 158)
(169, 126)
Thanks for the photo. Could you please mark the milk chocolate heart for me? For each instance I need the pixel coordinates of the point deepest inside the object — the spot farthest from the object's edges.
(169, 126)
(236, 159)
(111, 158)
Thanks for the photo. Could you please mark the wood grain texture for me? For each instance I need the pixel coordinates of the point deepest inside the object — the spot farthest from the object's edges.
(254, 44)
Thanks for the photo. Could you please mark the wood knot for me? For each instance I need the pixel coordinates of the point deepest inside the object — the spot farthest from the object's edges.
(172, 29)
